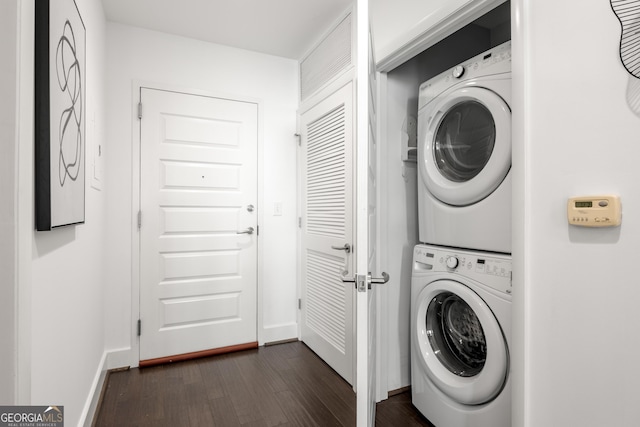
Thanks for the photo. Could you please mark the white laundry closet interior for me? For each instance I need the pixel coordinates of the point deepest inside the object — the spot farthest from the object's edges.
(398, 199)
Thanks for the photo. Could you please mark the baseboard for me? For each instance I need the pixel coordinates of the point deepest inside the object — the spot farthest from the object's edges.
(119, 358)
(278, 333)
(110, 360)
(270, 343)
(86, 418)
(399, 391)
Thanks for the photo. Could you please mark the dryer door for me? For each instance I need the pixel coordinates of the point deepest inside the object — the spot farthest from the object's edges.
(466, 145)
(461, 343)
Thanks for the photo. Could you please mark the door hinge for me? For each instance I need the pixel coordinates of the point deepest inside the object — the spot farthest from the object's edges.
(139, 220)
(299, 138)
(299, 222)
(139, 327)
(139, 110)
(299, 303)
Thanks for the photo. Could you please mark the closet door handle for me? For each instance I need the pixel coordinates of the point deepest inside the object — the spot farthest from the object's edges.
(249, 230)
(346, 247)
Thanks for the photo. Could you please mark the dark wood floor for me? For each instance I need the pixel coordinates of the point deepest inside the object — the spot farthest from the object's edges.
(280, 385)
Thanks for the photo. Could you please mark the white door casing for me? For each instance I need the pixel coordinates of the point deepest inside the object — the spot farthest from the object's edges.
(327, 217)
(198, 189)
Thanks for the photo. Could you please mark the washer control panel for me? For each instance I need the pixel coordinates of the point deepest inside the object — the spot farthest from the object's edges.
(493, 270)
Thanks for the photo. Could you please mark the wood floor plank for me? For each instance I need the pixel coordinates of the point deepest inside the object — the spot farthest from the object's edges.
(307, 394)
(175, 398)
(331, 389)
(222, 413)
(241, 394)
(266, 402)
(212, 377)
(295, 410)
(284, 385)
(269, 371)
(399, 407)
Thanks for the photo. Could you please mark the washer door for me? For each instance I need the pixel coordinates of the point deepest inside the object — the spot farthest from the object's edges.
(466, 150)
(461, 344)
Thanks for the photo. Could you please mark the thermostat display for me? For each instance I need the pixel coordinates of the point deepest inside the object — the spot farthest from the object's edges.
(594, 211)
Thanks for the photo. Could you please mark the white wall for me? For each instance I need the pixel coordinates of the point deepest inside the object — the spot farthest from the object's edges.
(61, 282)
(136, 55)
(576, 290)
(8, 194)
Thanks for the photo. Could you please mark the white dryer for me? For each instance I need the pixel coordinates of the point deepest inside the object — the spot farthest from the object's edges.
(464, 154)
(460, 337)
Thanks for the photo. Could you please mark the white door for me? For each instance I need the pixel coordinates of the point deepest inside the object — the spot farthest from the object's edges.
(327, 230)
(198, 191)
(365, 221)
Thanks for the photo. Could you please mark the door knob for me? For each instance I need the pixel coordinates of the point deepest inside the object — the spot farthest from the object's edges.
(363, 282)
(379, 280)
(346, 247)
(249, 230)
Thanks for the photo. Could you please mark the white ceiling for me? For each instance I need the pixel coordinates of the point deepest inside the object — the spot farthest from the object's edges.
(286, 28)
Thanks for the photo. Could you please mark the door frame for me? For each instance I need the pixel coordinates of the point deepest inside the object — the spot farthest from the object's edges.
(137, 86)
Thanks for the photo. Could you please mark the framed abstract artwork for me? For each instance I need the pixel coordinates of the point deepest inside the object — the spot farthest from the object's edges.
(60, 119)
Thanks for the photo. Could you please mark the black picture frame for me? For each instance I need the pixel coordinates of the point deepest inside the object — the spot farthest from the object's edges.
(60, 114)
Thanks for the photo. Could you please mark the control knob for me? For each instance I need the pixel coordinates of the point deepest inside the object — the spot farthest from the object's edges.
(458, 71)
(452, 262)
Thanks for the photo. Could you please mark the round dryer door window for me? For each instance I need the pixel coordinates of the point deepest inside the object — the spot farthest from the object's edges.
(467, 146)
(464, 352)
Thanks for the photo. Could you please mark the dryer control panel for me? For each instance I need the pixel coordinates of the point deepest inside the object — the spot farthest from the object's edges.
(492, 270)
(496, 61)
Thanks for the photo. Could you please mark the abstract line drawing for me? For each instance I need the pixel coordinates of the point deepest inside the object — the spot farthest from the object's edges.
(70, 82)
(633, 95)
(60, 111)
(628, 13)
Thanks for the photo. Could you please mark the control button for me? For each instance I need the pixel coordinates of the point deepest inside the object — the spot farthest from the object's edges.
(458, 71)
(452, 262)
(603, 203)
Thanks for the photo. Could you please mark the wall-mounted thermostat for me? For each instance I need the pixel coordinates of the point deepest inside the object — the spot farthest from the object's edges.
(594, 211)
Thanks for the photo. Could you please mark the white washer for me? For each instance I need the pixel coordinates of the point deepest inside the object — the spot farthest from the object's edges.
(464, 154)
(460, 337)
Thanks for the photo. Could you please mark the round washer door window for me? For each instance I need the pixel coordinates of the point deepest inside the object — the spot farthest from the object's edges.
(467, 146)
(461, 343)
(456, 335)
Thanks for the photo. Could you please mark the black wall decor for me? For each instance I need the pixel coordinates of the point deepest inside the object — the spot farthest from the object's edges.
(60, 136)
(628, 13)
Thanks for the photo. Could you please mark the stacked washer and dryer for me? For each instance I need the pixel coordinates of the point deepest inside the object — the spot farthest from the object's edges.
(461, 283)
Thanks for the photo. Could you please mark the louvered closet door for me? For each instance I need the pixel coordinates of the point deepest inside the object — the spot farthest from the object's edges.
(327, 302)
